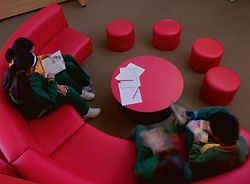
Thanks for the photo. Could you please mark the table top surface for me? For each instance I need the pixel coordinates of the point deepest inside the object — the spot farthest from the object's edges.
(161, 83)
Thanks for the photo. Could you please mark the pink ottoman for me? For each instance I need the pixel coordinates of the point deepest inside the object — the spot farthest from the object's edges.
(206, 53)
(166, 34)
(120, 35)
(219, 86)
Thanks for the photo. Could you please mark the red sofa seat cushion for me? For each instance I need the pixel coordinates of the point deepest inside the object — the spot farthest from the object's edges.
(53, 130)
(97, 156)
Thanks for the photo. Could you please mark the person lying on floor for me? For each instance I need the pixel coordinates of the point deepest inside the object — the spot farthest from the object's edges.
(73, 76)
(157, 162)
(222, 151)
(34, 95)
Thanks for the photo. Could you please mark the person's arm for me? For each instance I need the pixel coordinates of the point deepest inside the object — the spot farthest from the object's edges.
(44, 95)
(145, 168)
(207, 112)
(145, 163)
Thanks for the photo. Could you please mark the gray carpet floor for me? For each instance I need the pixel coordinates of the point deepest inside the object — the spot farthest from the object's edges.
(227, 22)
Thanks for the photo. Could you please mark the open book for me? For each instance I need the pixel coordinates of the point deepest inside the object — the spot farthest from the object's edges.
(200, 129)
(54, 64)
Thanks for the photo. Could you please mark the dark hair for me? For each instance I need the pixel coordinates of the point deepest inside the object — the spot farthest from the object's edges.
(16, 80)
(171, 169)
(20, 46)
(225, 127)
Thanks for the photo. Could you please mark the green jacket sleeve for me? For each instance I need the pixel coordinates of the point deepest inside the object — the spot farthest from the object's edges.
(146, 168)
(45, 92)
(207, 112)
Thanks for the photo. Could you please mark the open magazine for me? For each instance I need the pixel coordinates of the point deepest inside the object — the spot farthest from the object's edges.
(200, 129)
(54, 63)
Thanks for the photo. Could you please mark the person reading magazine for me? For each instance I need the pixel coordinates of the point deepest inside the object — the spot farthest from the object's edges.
(157, 160)
(73, 76)
(224, 150)
(54, 63)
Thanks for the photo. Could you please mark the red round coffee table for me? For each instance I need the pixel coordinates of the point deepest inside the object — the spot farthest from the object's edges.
(161, 83)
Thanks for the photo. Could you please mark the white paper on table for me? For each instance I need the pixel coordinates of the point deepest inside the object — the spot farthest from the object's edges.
(128, 78)
(137, 69)
(130, 95)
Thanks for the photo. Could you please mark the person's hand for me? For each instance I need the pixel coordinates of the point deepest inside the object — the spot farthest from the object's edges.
(50, 76)
(180, 113)
(45, 56)
(62, 89)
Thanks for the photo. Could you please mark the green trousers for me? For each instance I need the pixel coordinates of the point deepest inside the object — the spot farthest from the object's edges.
(74, 99)
(73, 76)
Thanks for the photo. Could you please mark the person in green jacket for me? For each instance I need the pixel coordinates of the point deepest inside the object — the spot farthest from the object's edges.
(34, 95)
(225, 149)
(158, 164)
(72, 76)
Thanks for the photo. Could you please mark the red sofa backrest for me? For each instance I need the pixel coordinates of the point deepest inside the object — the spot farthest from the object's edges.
(40, 27)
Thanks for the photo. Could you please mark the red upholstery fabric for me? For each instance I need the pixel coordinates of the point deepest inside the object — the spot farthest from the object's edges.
(100, 157)
(166, 34)
(4, 179)
(120, 35)
(206, 53)
(6, 169)
(49, 28)
(220, 85)
(42, 169)
(60, 129)
(15, 135)
(70, 41)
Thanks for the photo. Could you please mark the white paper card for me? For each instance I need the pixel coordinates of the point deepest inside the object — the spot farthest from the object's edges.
(130, 95)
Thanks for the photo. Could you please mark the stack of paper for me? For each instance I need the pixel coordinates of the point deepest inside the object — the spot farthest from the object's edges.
(129, 84)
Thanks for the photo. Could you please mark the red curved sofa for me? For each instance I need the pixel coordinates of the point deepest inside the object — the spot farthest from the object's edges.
(61, 148)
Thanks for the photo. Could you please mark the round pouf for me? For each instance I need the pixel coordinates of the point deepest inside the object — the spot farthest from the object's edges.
(166, 34)
(120, 35)
(219, 86)
(206, 53)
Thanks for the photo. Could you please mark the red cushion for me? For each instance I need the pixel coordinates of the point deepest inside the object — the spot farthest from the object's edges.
(166, 34)
(206, 53)
(70, 41)
(53, 130)
(219, 86)
(40, 168)
(4, 179)
(120, 35)
(99, 157)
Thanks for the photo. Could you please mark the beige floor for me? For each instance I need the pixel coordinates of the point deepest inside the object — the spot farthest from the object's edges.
(228, 22)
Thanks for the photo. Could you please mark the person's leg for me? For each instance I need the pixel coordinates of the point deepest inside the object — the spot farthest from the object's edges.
(76, 72)
(74, 99)
(64, 78)
(189, 139)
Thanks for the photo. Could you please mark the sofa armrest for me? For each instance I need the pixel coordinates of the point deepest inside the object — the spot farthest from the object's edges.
(13, 180)
(40, 168)
(239, 175)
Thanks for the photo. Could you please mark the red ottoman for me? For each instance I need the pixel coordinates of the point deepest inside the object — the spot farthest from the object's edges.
(206, 53)
(120, 35)
(166, 34)
(219, 86)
